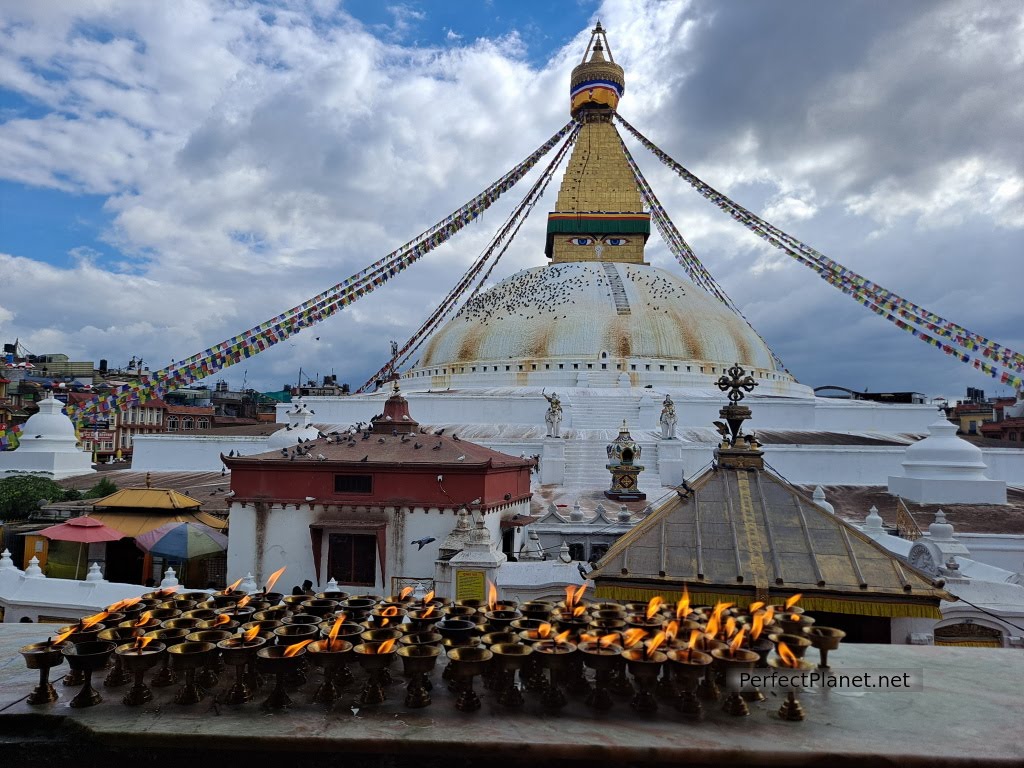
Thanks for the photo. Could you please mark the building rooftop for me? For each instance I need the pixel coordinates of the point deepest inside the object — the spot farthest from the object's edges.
(852, 502)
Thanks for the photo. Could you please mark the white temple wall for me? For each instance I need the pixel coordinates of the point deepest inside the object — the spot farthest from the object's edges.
(284, 539)
(189, 453)
(1001, 550)
(695, 409)
(901, 628)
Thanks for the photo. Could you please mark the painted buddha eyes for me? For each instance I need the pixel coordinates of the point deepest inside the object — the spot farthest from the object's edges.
(612, 241)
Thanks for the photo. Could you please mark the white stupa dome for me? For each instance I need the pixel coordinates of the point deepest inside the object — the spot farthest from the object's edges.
(299, 427)
(943, 454)
(946, 469)
(47, 445)
(633, 318)
(49, 430)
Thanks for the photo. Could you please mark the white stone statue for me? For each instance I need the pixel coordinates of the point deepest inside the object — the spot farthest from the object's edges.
(668, 419)
(553, 417)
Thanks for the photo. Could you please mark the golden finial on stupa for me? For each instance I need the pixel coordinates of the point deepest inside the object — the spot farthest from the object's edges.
(597, 83)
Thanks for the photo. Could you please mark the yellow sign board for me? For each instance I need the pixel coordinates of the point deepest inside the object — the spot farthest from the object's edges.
(469, 585)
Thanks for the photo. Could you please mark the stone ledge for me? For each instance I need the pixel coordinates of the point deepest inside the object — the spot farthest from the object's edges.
(967, 715)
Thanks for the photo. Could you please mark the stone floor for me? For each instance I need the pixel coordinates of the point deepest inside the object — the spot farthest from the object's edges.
(968, 714)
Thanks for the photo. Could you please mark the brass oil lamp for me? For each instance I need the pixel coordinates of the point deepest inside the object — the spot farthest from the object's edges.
(825, 639)
(555, 656)
(645, 664)
(209, 675)
(118, 675)
(86, 658)
(330, 655)
(239, 651)
(787, 659)
(44, 657)
(734, 658)
(374, 658)
(418, 661)
(509, 657)
(320, 606)
(282, 661)
(467, 662)
(188, 657)
(165, 675)
(605, 658)
(690, 667)
(138, 657)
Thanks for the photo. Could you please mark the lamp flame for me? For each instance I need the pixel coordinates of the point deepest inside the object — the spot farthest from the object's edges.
(654, 643)
(653, 605)
(273, 579)
(609, 639)
(755, 607)
(144, 618)
(720, 609)
(492, 595)
(96, 618)
(333, 634)
(250, 634)
(166, 591)
(386, 646)
(293, 650)
(671, 630)
(794, 617)
(428, 597)
(683, 606)
(428, 612)
(769, 615)
(694, 637)
(544, 630)
(758, 626)
(737, 641)
(562, 637)
(221, 620)
(570, 590)
(788, 657)
(243, 602)
(730, 626)
(391, 610)
(578, 594)
(141, 643)
(791, 601)
(231, 587)
(64, 636)
(588, 638)
(633, 636)
(406, 591)
(579, 610)
(712, 627)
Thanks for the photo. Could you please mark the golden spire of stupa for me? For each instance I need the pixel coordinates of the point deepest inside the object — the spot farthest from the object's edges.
(598, 215)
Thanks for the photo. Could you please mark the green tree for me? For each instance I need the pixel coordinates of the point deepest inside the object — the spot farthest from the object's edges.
(20, 495)
(103, 488)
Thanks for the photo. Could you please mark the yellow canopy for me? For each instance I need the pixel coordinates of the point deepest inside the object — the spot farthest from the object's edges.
(148, 498)
(133, 525)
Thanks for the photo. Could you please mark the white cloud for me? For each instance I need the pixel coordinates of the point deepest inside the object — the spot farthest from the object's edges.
(252, 155)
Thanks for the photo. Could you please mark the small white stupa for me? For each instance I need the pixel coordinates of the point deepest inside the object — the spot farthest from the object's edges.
(298, 429)
(47, 445)
(945, 469)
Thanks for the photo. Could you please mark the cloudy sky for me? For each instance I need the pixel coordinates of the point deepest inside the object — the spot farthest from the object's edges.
(173, 173)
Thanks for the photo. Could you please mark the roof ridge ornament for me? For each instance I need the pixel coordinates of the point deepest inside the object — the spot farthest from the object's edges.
(737, 450)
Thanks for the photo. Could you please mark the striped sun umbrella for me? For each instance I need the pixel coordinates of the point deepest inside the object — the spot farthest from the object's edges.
(182, 541)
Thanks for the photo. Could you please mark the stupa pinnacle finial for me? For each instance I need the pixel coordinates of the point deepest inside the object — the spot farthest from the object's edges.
(597, 82)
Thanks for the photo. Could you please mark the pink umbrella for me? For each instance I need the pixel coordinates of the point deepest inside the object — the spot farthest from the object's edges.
(84, 530)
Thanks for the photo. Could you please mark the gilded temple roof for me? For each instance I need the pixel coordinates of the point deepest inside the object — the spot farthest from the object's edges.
(746, 534)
